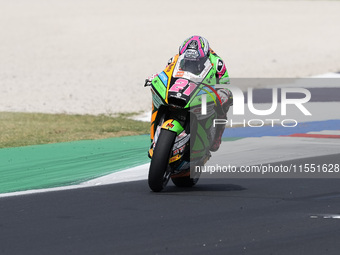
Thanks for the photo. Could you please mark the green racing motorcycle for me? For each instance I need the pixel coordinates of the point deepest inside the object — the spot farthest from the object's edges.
(182, 124)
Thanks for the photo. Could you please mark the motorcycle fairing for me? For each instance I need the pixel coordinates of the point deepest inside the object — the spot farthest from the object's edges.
(180, 89)
(178, 86)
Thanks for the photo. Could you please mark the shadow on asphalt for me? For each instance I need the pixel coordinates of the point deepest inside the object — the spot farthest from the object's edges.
(203, 187)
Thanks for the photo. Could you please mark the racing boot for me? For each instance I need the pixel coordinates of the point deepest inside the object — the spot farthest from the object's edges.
(218, 138)
(227, 101)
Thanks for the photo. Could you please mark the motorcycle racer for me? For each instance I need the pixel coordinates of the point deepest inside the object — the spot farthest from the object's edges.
(196, 51)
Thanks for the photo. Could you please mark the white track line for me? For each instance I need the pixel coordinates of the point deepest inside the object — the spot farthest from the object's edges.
(132, 174)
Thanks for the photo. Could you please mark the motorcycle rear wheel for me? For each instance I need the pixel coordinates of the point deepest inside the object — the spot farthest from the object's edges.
(184, 181)
(159, 171)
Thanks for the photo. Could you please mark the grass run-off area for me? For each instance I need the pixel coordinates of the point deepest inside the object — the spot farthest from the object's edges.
(21, 129)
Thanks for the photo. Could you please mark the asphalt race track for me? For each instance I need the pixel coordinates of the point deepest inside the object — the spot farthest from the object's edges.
(218, 216)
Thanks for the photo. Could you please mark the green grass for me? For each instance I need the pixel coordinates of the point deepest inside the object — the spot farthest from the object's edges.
(21, 129)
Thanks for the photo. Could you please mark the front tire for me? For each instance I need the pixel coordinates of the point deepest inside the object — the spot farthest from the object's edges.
(159, 172)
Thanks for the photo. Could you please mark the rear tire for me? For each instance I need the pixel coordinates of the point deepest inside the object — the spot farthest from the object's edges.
(184, 181)
(159, 172)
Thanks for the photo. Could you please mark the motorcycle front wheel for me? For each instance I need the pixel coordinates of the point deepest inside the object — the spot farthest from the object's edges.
(159, 171)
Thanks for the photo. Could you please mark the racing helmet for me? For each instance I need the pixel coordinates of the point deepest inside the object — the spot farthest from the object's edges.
(195, 51)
